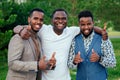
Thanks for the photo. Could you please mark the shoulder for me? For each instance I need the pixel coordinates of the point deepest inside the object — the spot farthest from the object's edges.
(99, 35)
(73, 29)
(16, 36)
(45, 27)
(16, 39)
(16, 42)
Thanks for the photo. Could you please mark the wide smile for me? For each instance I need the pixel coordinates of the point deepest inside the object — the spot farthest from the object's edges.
(60, 25)
(38, 26)
(86, 32)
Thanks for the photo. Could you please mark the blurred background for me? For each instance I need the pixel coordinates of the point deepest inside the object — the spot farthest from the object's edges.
(15, 12)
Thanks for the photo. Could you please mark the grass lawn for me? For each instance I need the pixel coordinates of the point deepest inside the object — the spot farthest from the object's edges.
(113, 73)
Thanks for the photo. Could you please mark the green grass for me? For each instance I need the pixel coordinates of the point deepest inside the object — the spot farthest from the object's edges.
(113, 73)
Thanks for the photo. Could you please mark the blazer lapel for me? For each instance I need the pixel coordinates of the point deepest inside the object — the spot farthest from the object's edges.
(33, 48)
(80, 44)
(95, 37)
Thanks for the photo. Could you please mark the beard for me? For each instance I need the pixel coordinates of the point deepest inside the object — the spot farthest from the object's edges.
(35, 30)
(87, 34)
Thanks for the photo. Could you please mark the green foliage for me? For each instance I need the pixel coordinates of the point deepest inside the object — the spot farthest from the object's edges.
(6, 16)
(4, 38)
(109, 11)
(6, 19)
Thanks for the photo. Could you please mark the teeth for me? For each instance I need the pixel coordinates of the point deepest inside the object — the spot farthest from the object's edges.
(37, 26)
(60, 24)
(86, 31)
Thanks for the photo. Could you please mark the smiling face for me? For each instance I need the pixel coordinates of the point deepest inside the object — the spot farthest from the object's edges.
(36, 20)
(86, 25)
(59, 21)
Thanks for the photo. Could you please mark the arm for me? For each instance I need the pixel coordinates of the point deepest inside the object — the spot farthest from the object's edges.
(23, 31)
(102, 32)
(108, 57)
(97, 30)
(18, 28)
(15, 53)
(71, 56)
(15, 50)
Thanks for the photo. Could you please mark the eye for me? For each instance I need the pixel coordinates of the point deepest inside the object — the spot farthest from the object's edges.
(82, 24)
(41, 19)
(56, 18)
(35, 18)
(89, 24)
(64, 18)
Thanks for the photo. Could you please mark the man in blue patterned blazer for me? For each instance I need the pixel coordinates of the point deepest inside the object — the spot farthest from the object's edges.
(92, 54)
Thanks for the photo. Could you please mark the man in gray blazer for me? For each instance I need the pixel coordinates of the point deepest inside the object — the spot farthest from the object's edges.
(24, 56)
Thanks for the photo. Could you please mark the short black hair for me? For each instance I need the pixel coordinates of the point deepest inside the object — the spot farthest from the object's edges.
(85, 13)
(58, 10)
(35, 9)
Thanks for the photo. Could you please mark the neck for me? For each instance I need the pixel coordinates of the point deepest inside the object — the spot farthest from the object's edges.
(58, 32)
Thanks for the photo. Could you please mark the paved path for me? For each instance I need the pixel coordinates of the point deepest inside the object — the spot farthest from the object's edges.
(114, 36)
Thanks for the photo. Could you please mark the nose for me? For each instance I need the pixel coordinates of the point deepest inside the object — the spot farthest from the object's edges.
(60, 20)
(86, 26)
(39, 22)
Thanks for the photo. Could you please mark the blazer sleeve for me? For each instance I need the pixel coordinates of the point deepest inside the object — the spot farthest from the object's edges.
(71, 56)
(108, 58)
(15, 50)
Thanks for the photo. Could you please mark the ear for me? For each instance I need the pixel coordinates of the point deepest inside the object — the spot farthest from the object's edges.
(93, 22)
(79, 23)
(52, 20)
(28, 20)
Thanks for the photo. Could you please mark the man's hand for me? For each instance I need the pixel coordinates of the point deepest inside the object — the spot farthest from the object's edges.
(94, 56)
(104, 33)
(25, 33)
(77, 58)
(52, 61)
(42, 64)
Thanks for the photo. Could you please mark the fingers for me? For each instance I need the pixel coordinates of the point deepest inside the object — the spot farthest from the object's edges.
(25, 33)
(28, 27)
(53, 55)
(78, 58)
(78, 53)
(105, 26)
(43, 58)
(52, 61)
(104, 32)
(93, 51)
(94, 56)
(42, 63)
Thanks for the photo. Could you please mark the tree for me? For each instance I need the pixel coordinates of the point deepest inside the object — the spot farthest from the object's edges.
(6, 19)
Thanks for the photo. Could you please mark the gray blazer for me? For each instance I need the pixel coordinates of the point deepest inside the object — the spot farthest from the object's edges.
(22, 59)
